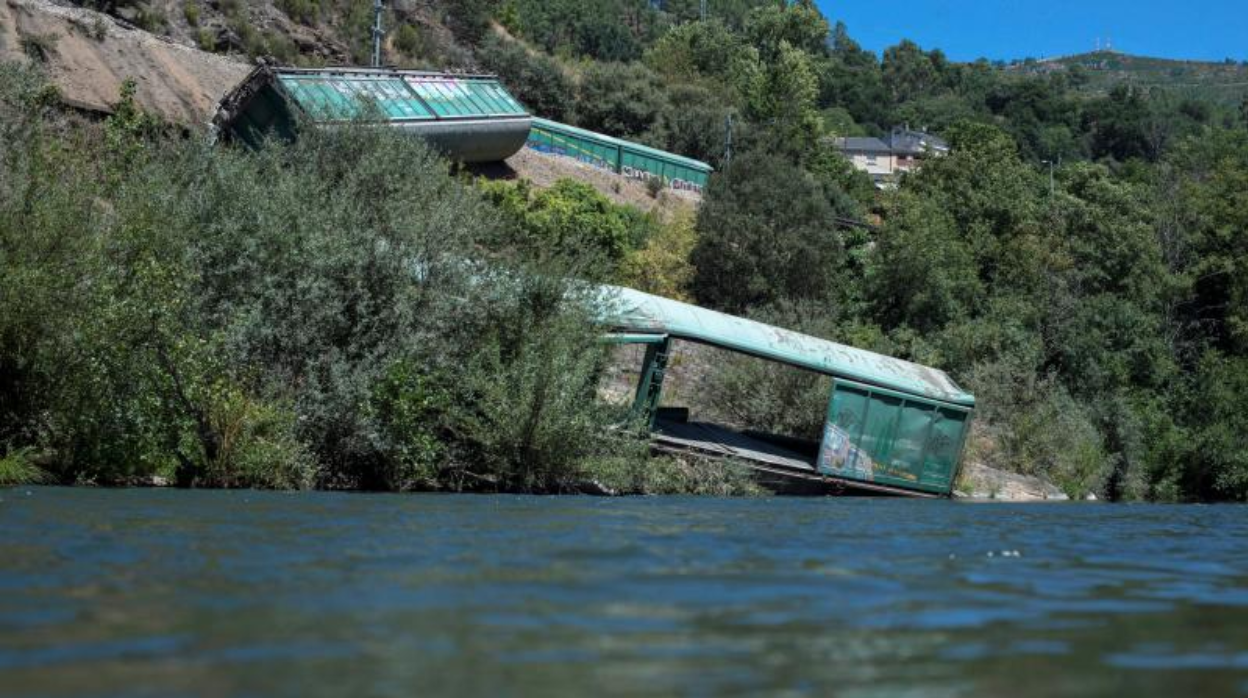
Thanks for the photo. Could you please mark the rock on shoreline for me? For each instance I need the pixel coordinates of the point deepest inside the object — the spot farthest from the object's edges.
(981, 482)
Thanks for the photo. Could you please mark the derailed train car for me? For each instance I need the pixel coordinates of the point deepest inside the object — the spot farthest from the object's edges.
(470, 118)
(891, 426)
(631, 160)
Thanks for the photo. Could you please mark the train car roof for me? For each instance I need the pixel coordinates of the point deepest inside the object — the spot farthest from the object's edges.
(633, 311)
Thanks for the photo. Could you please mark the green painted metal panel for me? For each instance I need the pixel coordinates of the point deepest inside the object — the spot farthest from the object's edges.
(880, 431)
(629, 151)
(839, 454)
(622, 156)
(451, 97)
(879, 437)
(650, 388)
(944, 447)
(907, 459)
(572, 145)
(630, 310)
(341, 98)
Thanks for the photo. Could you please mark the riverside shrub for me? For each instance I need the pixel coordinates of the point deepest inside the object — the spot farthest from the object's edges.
(301, 315)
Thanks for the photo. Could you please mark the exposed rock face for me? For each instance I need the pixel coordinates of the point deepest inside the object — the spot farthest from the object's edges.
(88, 55)
(989, 483)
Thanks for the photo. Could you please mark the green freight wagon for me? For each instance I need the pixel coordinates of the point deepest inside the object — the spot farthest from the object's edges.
(891, 426)
(471, 118)
(631, 160)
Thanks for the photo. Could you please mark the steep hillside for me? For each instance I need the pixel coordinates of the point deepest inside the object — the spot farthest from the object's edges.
(89, 55)
(304, 32)
(1099, 71)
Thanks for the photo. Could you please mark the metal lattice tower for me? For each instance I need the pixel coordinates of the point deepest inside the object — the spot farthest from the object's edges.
(378, 34)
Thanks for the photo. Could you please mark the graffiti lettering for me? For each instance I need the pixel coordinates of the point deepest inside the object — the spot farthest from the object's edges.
(626, 171)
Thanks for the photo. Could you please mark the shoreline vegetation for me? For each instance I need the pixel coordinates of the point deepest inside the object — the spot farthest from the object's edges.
(297, 317)
(350, 312)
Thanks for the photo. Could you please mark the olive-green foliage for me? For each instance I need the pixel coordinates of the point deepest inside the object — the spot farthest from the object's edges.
(659, 476)
(409, 405)
(205, 40)
(571, 222)
(526, 396)
(799, 25)
(784, 97)
(706, 51)
(407, 40)
(1217, 465)
(662, 266)
(39, 48)
(305, 314)
(17, 469)
(621, 99)
(766, 232)
(536, 80)
(608, 30)
(732, 13)
(1036, 427)
(304, 11)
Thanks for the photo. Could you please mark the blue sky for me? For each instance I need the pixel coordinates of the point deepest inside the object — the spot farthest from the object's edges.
(969, 29)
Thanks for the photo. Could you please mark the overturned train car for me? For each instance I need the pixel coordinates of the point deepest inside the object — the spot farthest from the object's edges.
(470, 118)
(890, 426)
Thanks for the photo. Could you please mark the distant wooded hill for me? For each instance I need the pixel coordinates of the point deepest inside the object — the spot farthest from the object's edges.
(1099, 71)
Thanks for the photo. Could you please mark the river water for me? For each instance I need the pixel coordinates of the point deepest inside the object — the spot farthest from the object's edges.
(172, 593)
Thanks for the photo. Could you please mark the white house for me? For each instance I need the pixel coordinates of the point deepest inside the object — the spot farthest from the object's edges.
(902, 150)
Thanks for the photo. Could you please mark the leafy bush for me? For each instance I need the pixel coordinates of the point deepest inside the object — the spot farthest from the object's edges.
(304, 314)
(570, 224)
(765, 233)
(407, 39)
(664, 475)
(662, 266)
(17, 469)
(526, 395)
(303, 11)
(619, 99)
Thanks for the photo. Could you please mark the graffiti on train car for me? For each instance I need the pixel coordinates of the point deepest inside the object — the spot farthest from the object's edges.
(645, 176)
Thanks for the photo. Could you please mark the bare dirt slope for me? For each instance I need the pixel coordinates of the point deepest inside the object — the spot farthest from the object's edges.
(544, 170)
(89, 55)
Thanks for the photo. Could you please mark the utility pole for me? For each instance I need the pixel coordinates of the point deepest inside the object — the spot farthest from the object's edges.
(378, 34)
(1052, 188)
(728, 142)
(703, 10)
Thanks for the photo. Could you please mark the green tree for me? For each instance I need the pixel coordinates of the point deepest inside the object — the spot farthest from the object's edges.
(799, 24)
(619, 99)
(908, 72)
(785, 99)
(765, 232)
